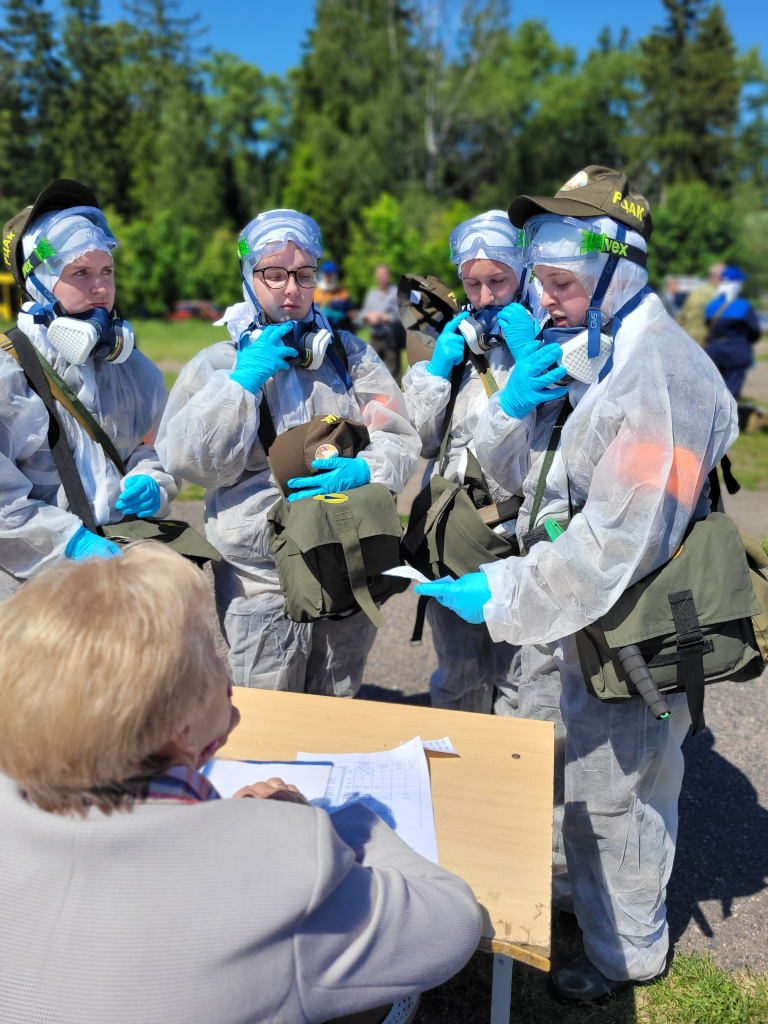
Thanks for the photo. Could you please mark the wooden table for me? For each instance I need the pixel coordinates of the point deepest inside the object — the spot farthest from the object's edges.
(492, 803)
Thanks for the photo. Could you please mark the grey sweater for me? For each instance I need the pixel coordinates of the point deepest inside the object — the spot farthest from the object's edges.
(225, 912)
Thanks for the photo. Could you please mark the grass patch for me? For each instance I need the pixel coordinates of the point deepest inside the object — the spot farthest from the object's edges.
(191, 492)
(696, 991)
(749, 459)
(175, 341)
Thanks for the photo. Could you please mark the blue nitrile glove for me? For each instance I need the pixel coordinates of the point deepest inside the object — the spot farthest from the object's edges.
(465, 596)
(520, 329)
(141, 496)
(530, 378)
(263, 358)
(85, 544)
(449, 349)
(339, 474)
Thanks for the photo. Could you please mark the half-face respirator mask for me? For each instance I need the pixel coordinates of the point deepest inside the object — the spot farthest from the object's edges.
(310, 339)
(481, 330)
(95, 332)
(585, 350)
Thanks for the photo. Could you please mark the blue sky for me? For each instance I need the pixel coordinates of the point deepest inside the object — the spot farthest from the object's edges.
(270, 32)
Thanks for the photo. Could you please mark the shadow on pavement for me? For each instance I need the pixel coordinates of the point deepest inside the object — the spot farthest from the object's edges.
(722, 851)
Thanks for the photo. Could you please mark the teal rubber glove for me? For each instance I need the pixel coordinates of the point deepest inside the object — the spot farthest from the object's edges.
(141, 496)
(263, 358)
(530, 382)
(465, 596)
(520, 329)
(449, 349)
(338, 474)
(85, 544)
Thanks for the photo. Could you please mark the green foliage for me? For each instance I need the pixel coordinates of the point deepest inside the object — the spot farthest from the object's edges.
(749, 458)
(401, 120)
(691, 80)
(698, 992)
(694, 228)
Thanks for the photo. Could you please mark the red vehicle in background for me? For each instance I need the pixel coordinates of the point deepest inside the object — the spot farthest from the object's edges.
(194, 309)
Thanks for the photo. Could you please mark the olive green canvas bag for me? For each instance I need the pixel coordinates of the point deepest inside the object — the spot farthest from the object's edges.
(450, 529)
(699, 619)
(331, 549)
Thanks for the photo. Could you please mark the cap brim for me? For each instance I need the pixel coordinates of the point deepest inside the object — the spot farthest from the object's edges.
(63, 194)
(525, 207)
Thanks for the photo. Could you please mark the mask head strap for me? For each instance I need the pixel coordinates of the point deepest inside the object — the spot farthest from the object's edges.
(594, 318)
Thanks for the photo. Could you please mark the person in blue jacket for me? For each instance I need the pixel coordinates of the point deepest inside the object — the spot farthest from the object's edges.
(732, 330)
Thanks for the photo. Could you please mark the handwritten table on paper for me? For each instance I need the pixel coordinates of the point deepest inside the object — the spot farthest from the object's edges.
(394, 783)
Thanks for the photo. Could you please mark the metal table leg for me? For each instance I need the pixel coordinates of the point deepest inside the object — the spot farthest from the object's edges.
(501, 995)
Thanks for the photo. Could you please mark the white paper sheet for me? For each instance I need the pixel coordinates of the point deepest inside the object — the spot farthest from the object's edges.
(407, 572)
(393, 783)
(309, 779)
(444, 746)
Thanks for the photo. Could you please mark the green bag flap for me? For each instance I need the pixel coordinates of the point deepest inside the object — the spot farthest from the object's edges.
(312, 522)
(174, 532)
(711, 562)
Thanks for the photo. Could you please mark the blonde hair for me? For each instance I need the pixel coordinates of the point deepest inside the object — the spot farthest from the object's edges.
(99, 661)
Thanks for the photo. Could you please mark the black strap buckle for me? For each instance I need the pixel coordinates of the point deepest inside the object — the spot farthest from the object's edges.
(690, 638)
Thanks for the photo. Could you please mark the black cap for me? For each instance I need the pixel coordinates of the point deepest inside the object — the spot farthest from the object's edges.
(594, 192)
(63, 194)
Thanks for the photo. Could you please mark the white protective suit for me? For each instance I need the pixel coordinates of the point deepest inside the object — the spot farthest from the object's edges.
(470, 664)
(209, 435)
(126, 399)
(637, 450)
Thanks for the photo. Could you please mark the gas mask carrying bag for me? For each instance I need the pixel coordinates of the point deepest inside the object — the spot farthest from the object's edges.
(450, 530)
(699, 619)
(330, 551)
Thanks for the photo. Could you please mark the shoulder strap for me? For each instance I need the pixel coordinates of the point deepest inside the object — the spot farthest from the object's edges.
(457, 375)
(554, 441)
(66, 397)
(18, 345)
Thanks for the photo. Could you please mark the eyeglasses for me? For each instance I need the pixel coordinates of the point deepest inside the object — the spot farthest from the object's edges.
(277, 278)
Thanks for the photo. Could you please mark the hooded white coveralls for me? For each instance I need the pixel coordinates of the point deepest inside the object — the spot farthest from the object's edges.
(637, 450)
(126, 399)
(470, 664)
(209, 435)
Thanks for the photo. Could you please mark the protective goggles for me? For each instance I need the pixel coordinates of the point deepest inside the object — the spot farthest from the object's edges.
(548, 239)
(68, 234)
(270, 231)
(489, 236)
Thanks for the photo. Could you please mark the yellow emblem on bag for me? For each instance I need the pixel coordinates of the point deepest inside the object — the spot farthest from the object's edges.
(330, 418)
(332, 499)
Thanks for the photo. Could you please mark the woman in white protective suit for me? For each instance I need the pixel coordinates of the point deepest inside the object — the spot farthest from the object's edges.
(60, 252)
(489, 255)
(650, 419)
(210, 435)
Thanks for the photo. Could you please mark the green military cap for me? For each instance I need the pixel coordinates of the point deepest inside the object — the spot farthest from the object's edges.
(293, 452)
(63, 194)
(594, 192)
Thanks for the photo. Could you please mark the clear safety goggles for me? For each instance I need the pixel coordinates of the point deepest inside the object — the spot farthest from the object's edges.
(560, 239)
(489, 236)
(68, 234)
(270, 231)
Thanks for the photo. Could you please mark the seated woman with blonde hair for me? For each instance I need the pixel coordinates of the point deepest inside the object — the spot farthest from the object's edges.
(130, 891)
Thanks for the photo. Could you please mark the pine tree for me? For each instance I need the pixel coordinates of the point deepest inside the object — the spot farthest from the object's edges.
(691, 80)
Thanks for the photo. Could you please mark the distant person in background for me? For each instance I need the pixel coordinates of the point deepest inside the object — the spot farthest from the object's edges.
(379, 312)
(333, 299)
(691, 316)
(671, 297)
(732, 330)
